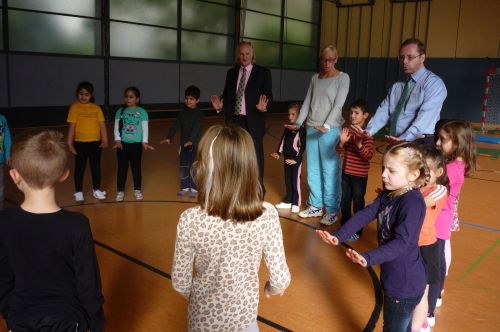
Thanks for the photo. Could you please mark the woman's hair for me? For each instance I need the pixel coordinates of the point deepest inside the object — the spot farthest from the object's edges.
(438, 160)
(40, 158)
(85, 86)
(296, 106)
(226, 173)
(328, 48)
(463, 143)
(410, 154)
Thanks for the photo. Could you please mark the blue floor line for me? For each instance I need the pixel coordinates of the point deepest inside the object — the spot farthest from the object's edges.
(480, 226)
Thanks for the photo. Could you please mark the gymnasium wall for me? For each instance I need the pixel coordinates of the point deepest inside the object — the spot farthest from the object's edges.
(462, 38)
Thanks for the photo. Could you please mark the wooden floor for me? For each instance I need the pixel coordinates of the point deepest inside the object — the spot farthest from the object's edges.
(135, 243)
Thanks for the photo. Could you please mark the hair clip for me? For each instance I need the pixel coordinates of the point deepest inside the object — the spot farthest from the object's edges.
(410, 152)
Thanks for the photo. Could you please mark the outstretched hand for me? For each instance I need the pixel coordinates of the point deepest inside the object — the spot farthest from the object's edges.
(166, 140)
(327, 237)
(262, 105)
(392, 139)
(344, 136)
(358, 131)
(355, 257)
(217, 103)
(118, 145)
(275, 155)
(147, 147)
(291, 127)
(321, 129)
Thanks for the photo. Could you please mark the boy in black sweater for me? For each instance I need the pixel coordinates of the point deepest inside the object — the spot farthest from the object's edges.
(189, 121)
(292, 145)
(49, 276)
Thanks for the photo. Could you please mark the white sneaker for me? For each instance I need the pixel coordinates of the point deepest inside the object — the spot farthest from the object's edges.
(295, 209)
(119, 196)
(283, 205)
(439, 302)
(79, 196)
(101, 195)
(311, 211)
(328, 219)
(431, 320)
(138, 195)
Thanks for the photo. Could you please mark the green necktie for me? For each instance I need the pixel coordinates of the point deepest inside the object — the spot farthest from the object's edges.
(401, 105)
(240, 91)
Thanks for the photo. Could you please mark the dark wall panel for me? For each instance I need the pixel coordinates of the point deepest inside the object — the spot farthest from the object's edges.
(157, 81)
(3, 82)
(210, 80)
(51, 81)
(295, 84)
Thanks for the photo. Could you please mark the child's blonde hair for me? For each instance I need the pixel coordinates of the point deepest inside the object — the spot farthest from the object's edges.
(463, 142)
(410, 154)
(226, 173)
(40, 158)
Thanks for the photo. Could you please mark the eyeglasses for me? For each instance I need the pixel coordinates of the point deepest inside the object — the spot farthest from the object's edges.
(329, 60)
(408, 57)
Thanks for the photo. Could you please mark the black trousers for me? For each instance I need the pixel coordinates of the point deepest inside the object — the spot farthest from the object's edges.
(186, 159)
(92, 152)
(435, 288)
(130, 154)
(292, 183)
(47, 324)
(353, 193)
(241, 121)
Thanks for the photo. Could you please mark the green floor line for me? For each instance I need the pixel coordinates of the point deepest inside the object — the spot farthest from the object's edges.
(478, 261)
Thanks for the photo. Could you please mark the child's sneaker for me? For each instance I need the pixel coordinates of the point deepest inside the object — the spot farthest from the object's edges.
(328, 219)
(101, 195)
(352, 238)
(182, 192)
(431, 320)
(138, 195)
(119, 196)
(295, 209)
(79, 196)
(439, 302)
(311, 211)
(283, 205)
(194, 193)
(425, 327)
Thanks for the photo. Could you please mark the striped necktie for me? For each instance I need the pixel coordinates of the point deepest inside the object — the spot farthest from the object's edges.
(401, 105)
(240, 91)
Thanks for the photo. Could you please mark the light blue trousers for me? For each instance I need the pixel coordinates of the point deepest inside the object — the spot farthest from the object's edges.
(323, 169)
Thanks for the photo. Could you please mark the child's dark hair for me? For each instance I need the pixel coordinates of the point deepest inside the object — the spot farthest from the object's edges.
(86, 86)
(192, 91)
(361, 104)
(438, 159)
(135, 91)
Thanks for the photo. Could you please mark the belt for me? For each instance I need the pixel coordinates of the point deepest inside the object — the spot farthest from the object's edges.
(426, 135)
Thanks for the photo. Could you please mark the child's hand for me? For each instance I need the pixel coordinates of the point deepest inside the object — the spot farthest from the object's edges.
(291, 127)
(188, 143)
(147, 147)
(429, 201)
(104, 144)
(358, 131)
(290, 162)
(166, 140)
(262, 105)
(267, 290)
(327, 237)
(356, 258)
(391, 139)
(217, 103)
(344, 136)
(72, 148)
(275, 155)
(118, 145)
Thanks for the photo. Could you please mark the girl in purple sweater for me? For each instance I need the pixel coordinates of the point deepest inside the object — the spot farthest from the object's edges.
(400, 211)
(456, 140)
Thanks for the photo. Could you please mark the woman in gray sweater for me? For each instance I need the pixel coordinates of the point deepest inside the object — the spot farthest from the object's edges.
(322, 113)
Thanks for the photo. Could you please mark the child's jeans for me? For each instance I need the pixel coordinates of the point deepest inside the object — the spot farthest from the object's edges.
(186, 158)
(398, 313)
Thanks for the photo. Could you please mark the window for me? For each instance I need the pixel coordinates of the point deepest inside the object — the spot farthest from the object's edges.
(37, 32)
(151, 12)
(72, 7)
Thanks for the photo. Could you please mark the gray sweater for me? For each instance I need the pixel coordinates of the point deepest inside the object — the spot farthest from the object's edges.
(324, 100)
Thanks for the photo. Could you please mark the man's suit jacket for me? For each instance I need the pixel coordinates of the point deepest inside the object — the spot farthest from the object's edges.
(259, 83)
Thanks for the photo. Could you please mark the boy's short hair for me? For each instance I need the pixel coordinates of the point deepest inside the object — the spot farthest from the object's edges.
(361, 104)
(192, 91)
(40, 158)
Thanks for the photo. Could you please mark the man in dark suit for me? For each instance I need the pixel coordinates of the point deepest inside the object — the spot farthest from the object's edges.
(247, 93)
